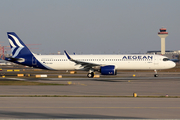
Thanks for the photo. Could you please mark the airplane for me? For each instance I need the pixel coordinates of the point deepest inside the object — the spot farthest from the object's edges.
(105, 64)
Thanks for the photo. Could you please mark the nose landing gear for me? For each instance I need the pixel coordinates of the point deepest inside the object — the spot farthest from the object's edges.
(155, 75)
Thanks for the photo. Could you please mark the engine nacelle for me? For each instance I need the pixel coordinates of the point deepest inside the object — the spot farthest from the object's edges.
(108, 70)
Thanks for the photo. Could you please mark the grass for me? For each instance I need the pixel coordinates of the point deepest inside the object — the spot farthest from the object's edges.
(26, 83)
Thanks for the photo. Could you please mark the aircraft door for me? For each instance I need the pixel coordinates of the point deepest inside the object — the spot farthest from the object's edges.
(156, 61)
(102, 60)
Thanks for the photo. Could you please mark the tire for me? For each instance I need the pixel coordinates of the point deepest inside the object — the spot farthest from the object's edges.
(156, 75)
(90, 75)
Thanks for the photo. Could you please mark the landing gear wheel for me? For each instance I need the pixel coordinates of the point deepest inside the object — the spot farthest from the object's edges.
(155, 75)
(90, 75)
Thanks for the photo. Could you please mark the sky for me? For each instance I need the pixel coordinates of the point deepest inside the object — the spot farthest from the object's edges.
(91, 26)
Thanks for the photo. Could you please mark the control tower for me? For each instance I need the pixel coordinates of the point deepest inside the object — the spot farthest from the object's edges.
(162, 34)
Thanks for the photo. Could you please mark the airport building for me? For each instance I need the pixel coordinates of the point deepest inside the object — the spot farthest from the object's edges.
(168, 53)
(162, 34)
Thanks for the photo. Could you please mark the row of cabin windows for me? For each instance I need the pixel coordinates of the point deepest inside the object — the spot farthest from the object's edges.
(98, 60)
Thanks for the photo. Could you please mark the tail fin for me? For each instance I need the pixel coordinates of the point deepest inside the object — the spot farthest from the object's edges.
(21, 54)
(18, 48)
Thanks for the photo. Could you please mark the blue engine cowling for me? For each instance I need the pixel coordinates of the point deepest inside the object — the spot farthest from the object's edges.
(108, 70)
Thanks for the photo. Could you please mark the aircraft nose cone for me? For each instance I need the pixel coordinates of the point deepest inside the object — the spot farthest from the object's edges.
(172, 64)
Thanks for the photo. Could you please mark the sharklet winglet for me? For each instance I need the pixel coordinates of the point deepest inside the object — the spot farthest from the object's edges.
(68, 56)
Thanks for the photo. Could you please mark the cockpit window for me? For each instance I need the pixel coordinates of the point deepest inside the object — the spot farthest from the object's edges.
(165, 59)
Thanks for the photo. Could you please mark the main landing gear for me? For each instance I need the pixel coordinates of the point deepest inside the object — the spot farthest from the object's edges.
(155, 75)
(90, 74)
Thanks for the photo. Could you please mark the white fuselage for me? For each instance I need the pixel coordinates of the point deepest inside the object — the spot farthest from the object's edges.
(105, 64)
(121, 62)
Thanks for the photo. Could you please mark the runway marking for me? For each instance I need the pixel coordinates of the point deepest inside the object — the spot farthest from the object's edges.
(93, 107)
(16, 79)
(116, 78)
(80, 84)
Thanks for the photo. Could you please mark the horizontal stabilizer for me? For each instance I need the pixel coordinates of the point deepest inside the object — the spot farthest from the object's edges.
(11, 59)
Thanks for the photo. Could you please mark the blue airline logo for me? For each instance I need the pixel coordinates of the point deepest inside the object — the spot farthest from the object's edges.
(137, 57)
(16, 46)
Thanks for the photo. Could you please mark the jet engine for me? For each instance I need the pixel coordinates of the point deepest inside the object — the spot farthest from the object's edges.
(108, 70)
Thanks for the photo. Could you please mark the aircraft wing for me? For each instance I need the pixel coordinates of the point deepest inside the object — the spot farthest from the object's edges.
(86, 65)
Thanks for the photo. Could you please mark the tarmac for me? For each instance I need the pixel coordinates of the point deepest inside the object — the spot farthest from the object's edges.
(88, 108)
(94, 98)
